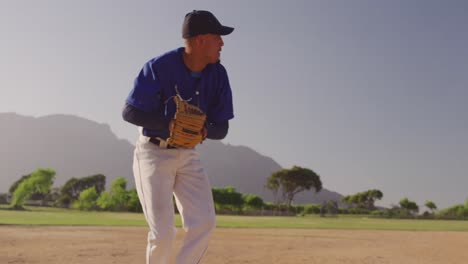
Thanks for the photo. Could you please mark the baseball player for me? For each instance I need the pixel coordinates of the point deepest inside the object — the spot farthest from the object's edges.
(161, 169)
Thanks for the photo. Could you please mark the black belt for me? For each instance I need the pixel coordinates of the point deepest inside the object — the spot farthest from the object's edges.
(157, 141)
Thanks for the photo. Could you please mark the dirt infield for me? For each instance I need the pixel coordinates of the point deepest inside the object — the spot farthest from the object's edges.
(126, 245)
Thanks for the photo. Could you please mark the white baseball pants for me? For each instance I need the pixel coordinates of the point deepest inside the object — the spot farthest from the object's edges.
(159, 174)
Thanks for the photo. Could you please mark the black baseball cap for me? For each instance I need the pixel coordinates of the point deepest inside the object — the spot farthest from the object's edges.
(200, 22)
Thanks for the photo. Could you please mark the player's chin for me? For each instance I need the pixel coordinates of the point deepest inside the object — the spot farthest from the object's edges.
(215, 59)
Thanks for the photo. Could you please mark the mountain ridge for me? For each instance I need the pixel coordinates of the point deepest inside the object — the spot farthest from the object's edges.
(78, 147)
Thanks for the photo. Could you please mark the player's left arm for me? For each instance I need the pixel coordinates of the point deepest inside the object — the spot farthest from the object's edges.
(217, 130)
(220, 112)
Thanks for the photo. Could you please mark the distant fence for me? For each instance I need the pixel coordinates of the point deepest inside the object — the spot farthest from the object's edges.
(259, 212)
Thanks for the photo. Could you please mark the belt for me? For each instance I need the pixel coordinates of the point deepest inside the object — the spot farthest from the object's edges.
(157, 141)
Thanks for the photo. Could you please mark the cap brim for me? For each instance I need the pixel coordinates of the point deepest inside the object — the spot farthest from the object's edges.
(226, 30)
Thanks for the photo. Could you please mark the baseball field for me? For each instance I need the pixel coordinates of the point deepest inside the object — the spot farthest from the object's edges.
(47, 235)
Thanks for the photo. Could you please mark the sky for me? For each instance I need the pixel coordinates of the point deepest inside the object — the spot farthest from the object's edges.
(368, 94)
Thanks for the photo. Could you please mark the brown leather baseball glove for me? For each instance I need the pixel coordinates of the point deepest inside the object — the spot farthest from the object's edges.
(187, 125)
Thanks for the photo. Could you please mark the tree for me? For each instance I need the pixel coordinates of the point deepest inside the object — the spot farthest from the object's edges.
(290, 182)
(119, 195)
(364, 200)
(97, 180)
(87, 199)
(252, 201)
(116, 199)
(40, 181)
(68, 193)
(458, 211)
(104, 201)
(17, 183)
(73, 187)
(329, 207)
(431, 205)
(33, 196)
(227, 197)
(133, 203)
(273, 185)
(411, 206)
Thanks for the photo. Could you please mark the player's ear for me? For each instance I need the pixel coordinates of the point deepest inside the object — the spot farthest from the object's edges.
(201, 40)
(192, 42)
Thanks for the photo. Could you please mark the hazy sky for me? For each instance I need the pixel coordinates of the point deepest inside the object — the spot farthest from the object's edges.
(368, 94)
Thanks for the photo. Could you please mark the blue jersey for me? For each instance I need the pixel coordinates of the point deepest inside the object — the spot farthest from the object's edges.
(156, 85)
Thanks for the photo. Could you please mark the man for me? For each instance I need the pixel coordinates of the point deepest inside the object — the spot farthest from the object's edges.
(193, 73)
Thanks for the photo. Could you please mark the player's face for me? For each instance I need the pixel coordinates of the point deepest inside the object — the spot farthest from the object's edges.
(211, 46)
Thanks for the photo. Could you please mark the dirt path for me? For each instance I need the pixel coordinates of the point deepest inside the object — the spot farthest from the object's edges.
(126, 245)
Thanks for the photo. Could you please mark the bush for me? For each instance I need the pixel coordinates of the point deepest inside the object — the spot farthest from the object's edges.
(252, 201)
(427, 215)
(311, 209)
(40, 181)
(117, 198)
(104, 201)
(269, 206)
(71, 190)
(455, 212)
(87, 200)
(63, 201)
(394, 212)
(354, 210)
(227, 199)
(133, 203)
(329, 207)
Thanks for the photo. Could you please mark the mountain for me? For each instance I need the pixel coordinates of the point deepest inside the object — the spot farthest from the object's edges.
(77, 147)
(247, 171)
(72, 146)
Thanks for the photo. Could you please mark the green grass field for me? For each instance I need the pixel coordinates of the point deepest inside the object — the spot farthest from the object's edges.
(55, 216)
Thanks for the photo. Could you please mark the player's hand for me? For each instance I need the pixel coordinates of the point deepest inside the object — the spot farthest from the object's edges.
(204, 132)
(171, 126)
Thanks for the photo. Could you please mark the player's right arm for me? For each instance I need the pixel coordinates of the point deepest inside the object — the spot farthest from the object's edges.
(143, 106)
(141, 118)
